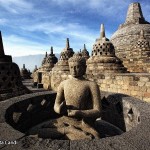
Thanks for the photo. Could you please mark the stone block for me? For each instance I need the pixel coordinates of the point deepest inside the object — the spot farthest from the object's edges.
(103, 85)
(115, 81)
(120, 82)
(146, 95)
(118, 77)
(143, 89)
(125, 87)
(99, 80)
(147, 84)
(104, 81)
(118, 86)
(136, 88)
(146, 99)
(114, 90)
(141, 83)
(131, 88)
(145, 79)
(109, 81)
(128, 92)
(127, 78)
(134, 93)
(120, 91)
(107, 77)
(133, 83)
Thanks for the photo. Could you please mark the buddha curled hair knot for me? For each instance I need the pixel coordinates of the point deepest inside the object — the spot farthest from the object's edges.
(77, 57)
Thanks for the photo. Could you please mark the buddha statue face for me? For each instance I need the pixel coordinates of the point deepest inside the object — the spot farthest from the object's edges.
(77, 66)
(76, 70)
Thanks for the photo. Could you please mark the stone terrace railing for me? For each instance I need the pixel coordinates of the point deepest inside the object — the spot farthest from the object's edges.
(127, 113)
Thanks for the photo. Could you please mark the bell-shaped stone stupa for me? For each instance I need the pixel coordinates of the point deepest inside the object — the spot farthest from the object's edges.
(61, 71)
(103, 59)
(10, 79)
(128, 33)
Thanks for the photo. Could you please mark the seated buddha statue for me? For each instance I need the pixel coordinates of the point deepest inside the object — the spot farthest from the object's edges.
(79, 104)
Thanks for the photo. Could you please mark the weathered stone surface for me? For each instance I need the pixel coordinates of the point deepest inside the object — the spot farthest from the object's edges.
(103, 59)
(136, 85)
(129, 140)
(85, 53)
(25, 74)
(47, 64)
(10, 79)
(131, 46)
(61, 67)
(78, 111)
(138, 59)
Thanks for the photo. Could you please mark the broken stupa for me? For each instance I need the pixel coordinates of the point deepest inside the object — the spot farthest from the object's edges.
(10, 79)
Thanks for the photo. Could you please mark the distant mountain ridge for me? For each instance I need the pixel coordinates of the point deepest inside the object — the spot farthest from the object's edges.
(30, 61)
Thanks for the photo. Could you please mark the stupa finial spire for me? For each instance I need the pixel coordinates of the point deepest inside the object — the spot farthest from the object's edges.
(1, 46)
(46, 54)
(67, 43)
(51, 49)
(134, 14)
(102, 31)
(84, 46)
(24, 66)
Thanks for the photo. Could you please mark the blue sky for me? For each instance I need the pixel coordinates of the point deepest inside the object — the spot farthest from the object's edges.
(32, 26)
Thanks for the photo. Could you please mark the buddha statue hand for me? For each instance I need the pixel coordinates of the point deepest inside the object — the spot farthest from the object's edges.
(74, 113)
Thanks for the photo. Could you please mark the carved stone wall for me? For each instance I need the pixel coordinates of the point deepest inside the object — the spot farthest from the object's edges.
(138, 56)
(136, 85)
(46, 80)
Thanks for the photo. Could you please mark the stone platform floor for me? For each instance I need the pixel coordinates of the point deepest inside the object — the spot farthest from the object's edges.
(29, 84)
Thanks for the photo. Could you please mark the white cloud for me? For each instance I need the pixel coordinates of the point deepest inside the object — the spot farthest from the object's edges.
(17, 46)
(67, 2)
(3, 21)
(68, 29)
(45, 27)
(16, 6)
(79, 35)
(54, 27)
(101, 7)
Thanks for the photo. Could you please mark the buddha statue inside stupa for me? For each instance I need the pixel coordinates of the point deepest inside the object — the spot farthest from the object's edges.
(78, 103)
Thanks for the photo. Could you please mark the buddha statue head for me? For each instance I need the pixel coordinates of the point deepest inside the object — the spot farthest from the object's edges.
(77, 65)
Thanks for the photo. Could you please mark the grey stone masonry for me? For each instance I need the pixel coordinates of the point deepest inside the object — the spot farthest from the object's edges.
(127, 34)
